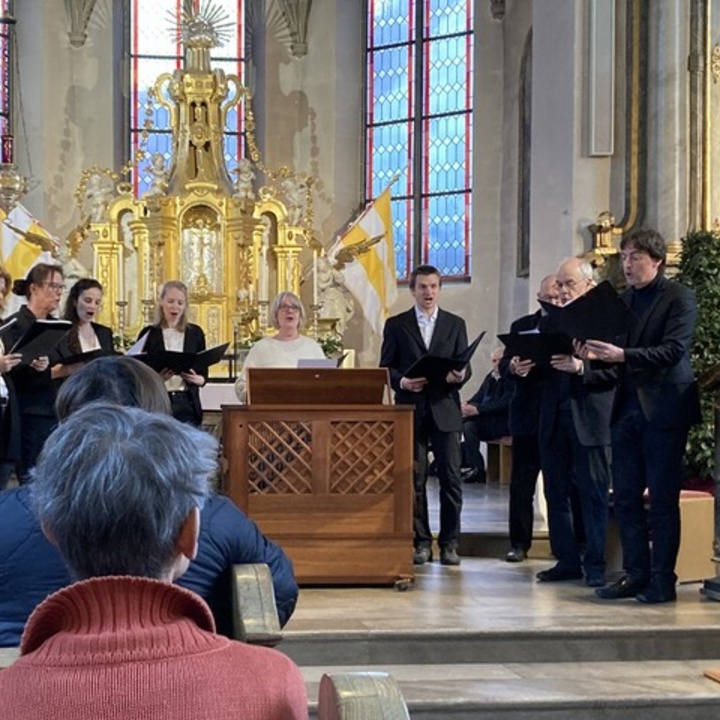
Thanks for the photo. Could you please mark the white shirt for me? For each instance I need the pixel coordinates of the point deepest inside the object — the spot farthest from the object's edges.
(426, 323)
(174, 340)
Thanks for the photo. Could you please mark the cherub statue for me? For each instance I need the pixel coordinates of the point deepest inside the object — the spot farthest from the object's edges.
(159, 183)
(295, 190)
(99, 193)
(335, 303)
(245, 175)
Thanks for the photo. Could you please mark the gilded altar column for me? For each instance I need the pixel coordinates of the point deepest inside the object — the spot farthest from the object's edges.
(698, 142)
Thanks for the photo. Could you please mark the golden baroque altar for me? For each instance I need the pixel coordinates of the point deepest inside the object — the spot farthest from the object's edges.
(234, 246)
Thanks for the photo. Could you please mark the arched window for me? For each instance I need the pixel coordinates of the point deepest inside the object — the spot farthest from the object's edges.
(419, 126)
(153, 51)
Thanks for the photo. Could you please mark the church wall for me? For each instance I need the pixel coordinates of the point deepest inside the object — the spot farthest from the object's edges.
(70, 106)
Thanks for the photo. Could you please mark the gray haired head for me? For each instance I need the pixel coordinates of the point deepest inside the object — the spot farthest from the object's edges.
(289, 298)
(113, 487)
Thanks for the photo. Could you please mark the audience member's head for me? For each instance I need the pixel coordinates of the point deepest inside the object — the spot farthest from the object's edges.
(113, 379)
(119, 491)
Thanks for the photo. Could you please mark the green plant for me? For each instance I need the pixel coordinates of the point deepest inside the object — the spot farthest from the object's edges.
(331, 345)
(700, 270)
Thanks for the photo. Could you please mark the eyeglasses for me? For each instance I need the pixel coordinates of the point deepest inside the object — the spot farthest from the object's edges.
(55, 287)
(289, 307)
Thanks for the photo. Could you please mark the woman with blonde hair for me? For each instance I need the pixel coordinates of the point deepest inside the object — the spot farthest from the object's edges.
(173, 332)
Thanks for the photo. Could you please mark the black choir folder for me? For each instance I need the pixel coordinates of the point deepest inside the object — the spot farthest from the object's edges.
(40, 339)
(436, 367)
(599, 314)
(180, 362)
(535, 346)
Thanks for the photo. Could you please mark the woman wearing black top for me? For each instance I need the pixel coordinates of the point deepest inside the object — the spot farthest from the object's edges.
(173, 332)
(33, 383)
(81, 308)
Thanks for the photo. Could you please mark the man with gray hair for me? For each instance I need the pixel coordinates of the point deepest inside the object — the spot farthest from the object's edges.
(120, 491)
(574, 432)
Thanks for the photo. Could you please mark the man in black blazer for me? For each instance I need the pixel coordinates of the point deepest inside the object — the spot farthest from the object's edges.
(523, 424)
(485, 417)
(423, 329)
(656, 404)
(574, 433)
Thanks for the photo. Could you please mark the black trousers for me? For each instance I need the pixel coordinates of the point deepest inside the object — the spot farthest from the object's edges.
(446, 449)
(523, 479)
(183, 408)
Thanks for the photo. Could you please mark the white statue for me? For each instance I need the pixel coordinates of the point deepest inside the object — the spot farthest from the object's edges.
(159, 182)
(244, 180)
(335, 303)
(99, 193)
(295, 190)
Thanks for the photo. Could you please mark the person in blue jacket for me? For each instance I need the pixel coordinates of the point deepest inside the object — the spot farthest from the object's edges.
(31, 568)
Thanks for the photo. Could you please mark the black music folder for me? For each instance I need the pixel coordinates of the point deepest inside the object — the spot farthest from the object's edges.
(599, 314)
(436, 367)
(180, 362)
(538, 347)
(41, 338)
(85, 357)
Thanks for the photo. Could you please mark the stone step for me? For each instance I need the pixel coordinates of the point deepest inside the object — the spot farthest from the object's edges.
(496, 545)
(651, 690)
(598, 644)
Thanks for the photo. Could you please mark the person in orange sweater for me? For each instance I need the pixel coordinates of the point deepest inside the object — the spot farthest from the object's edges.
(120, 490)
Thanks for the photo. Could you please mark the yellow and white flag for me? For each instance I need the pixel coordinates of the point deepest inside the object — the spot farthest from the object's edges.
(18, 254)
(371, 276)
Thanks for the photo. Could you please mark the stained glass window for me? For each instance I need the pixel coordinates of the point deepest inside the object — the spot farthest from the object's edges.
(153, 51)
(418, 126)
(6, 69)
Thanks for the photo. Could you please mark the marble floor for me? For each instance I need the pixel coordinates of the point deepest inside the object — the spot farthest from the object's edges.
(487, 640)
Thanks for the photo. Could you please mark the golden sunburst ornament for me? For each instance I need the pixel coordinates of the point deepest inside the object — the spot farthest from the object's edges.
(209, 25)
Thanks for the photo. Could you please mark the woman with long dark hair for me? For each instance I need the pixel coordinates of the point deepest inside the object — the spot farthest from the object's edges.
(85, 336)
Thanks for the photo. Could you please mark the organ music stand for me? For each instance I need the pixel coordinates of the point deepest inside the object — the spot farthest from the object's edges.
(317, 386)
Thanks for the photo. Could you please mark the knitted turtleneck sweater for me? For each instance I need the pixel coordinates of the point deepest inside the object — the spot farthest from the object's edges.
(124, 647)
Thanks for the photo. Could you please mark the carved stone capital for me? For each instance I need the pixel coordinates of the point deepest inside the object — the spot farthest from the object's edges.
(497, 8)
(79, 12)
(296, 14)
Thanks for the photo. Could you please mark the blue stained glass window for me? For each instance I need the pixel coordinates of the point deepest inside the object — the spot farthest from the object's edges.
(418, 125)
(153, 51)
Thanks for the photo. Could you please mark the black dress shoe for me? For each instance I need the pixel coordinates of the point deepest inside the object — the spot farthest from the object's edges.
(516, 554)
(449, 556)
(422, 554)
(657, 592)
(558, 574)
(472, 475)
(625, 587)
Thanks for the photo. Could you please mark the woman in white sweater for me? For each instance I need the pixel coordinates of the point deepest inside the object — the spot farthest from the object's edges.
(286, 347)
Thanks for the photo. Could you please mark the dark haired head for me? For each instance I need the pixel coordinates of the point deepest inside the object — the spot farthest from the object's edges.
(37, 275)
(114, 379)
(646, 240)
(424, 270)
(76, 291)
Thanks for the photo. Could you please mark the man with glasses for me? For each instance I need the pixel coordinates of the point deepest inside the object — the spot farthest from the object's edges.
(523, 423)
(574, 433)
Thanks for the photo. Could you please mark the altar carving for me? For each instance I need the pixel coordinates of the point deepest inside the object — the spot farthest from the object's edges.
(234, 246)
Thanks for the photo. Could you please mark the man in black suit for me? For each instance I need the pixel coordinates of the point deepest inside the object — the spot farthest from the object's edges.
(485, 417)
(523, 424)
(656, 404)
(574, 434)
(423, 329)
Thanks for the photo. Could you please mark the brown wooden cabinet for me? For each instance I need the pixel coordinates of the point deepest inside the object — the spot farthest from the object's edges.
(331, 484)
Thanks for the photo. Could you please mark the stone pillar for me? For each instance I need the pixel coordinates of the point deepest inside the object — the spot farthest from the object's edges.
(568, 188)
